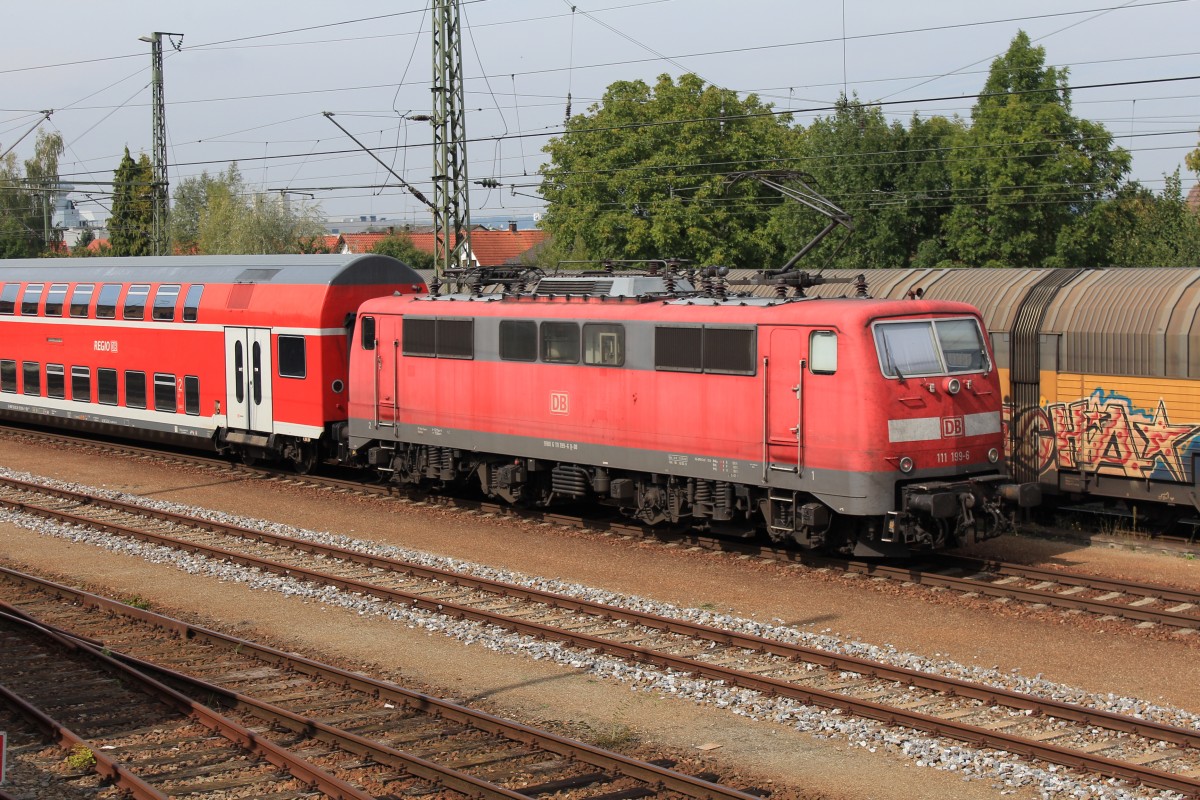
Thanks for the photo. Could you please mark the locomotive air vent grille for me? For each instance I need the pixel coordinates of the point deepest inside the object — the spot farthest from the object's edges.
(575, 286)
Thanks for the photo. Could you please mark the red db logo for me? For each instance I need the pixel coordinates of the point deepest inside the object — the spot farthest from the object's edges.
(953, 426)
(558, 403)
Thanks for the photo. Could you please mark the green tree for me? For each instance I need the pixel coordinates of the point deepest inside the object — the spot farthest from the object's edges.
(26, 200)
(1027, 170)
(1148, 230)
(131, 226)
(401, 247)
(220, 215)
(642, 174)
(892, 180)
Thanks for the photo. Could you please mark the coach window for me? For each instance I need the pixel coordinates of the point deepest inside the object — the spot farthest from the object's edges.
(367, 333)
(8, 298)
(8, 376)
(164, 393)
(291, 357)
(81, 299)
(106, 387)
(191, 395)
(164, 303)
(31, 376)
(678, 349)
(822, 352)
(32, 298)
(135, 389)
(106, 304)
(560, 342)
(55, 298)
(56, 383)
(518, 340)
(135, 302)
(81, 384)
(191, 302)
(604, 345)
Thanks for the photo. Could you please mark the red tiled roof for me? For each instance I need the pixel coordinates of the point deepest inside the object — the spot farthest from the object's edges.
(96, 244)
(492, 248)
(361, 242)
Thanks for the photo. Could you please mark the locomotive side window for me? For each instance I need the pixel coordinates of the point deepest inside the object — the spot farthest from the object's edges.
(135, 389)
(455, 338)
(106, 305)
(55, 299)
(81, 298)
(292, 362)
(8, 298)
(191, 302)
(8, 376)
(106, 386)
(32, 298)
(164, 393)
(81, 384)
(367, 332)
(678, 349)
(191, 395)
(560, 342)
(164, 303)
(135, 302)
(56, 383)
(603, 345)
(419, 336)
(729, 351)
(822, 352)
(518, 340)
(31, 376)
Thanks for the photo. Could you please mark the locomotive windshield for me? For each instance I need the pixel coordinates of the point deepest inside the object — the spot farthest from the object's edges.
(930, 347)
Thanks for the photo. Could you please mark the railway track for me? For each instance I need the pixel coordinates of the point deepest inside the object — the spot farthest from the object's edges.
(1144, 604)
(378, 739)
(1102, 742)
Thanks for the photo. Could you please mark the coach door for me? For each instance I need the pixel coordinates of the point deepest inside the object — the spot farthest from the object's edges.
(248, 379)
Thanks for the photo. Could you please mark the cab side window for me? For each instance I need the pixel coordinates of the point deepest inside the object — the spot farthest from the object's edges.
(822, 352)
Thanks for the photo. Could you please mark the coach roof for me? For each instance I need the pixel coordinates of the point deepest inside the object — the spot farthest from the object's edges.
(317, 270)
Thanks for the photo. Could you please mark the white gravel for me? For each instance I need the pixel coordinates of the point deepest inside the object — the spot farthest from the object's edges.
(1004, 769)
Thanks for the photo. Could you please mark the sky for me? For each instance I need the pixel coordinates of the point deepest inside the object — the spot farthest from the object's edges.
(250, 80)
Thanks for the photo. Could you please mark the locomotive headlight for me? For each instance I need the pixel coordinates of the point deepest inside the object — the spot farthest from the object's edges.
(953, 385)
(993, 455)
(906, 465)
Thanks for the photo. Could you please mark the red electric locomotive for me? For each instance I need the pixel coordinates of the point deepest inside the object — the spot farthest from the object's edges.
(866, 426)
(247, 354)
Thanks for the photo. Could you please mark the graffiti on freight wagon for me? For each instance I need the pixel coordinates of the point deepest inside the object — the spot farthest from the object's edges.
(1108, 433)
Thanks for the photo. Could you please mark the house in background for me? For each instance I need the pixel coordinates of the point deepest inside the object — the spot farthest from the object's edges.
(489, 247)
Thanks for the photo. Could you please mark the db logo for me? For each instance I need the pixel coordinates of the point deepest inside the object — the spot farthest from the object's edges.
(952, 426)
(558, 403)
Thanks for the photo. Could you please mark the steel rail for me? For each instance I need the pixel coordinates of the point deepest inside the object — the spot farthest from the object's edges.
(231, 731)
(589, 754)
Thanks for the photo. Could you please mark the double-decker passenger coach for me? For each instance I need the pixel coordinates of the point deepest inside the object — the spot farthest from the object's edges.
(246, 354)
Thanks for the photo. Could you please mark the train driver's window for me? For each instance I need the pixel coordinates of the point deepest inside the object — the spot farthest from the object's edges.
(604, 345)
(367, 325)
(8, 298)
(106, 305)
(822, 352)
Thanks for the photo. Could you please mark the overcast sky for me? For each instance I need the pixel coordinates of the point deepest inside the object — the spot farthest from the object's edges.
(252, 78)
